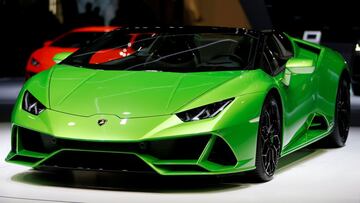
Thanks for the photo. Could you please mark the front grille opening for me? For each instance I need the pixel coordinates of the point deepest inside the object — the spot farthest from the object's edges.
(222, 154)
(189, 148)
(42, 143)
(318, 123)
(97, 161)
(182, 148)
(14, 139)
(35, 141)
(182, 168)
(25, 159)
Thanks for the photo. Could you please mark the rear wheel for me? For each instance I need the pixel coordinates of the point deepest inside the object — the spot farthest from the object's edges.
(268, 141)
(342, 116)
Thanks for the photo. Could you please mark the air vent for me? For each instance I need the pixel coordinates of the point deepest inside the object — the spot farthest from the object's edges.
(222, 154)
(182, 168)
(318, 123)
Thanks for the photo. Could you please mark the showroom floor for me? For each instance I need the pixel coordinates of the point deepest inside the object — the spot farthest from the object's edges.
(309, 175)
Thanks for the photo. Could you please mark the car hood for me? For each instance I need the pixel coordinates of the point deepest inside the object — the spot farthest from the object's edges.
(130, 94)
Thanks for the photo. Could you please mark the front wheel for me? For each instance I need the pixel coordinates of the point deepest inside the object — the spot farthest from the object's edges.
(268, 142)
(342, 116)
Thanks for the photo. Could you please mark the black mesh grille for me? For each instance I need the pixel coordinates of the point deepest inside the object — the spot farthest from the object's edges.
(222, 154)
(97, 161)
(25, 159)
(34, 141)
(182, 168)
(180, 148)
(38, 142)
(184, 148)
(13, 139)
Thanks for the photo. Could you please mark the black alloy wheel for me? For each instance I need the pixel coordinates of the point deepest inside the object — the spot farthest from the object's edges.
(342, 117)
(269, 141)
(343, 110)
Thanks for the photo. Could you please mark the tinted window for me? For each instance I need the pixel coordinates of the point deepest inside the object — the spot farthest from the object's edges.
(269, 62)
(172, 52)
(285, 43)
(276, 50)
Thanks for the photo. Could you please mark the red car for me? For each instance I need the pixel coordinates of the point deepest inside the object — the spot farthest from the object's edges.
(129, 46)
(71, 41)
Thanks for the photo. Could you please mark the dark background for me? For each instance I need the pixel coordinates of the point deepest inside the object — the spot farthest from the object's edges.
(26, 24)
(337, 20)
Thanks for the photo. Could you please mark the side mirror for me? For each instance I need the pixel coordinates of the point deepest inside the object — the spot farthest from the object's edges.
(47, 43)
(297, 66)
(61, 56)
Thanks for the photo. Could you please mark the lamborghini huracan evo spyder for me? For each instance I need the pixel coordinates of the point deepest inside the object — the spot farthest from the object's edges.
(42, 59)
(187, 101)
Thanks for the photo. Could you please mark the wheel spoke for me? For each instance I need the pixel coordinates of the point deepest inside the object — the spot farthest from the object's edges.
(267, 166)
(266, 149)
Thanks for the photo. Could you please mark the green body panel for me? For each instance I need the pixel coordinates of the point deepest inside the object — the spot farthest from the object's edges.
(141, 106)
(135, 93)
(61, 56)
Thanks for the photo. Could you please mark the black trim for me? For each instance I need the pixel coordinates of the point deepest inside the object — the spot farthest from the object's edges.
(318, 123)
(182, 148)
(14, 139)
(278, 70)
(103, 161)
(308, 47)
(175, 148)
(222, 154)
(182, 168)
(25, 159)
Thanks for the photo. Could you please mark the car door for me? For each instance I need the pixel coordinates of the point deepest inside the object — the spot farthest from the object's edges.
(298, 100)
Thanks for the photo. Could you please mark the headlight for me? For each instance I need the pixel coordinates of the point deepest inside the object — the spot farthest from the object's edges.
(204, 112)
(31, 104)
(34, 62)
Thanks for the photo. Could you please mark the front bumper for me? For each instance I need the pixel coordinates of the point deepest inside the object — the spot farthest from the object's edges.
(200, 154)
(160, 144)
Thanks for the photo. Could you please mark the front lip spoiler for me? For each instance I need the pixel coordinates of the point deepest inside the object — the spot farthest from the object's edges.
(58, 168)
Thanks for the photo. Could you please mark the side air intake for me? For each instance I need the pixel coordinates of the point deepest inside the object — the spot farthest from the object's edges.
(318, 123)
(222, 154)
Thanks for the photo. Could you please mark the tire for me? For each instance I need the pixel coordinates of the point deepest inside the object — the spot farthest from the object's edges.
(268, 141)
(356, 89)
(342, 117)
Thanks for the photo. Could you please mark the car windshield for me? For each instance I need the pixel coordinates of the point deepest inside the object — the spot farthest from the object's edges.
(166, 51)
(76, 39)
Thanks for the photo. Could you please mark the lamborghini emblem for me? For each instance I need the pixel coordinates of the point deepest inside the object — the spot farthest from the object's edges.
(102, 122)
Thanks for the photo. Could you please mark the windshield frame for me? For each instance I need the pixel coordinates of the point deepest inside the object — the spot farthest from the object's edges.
(170, 31)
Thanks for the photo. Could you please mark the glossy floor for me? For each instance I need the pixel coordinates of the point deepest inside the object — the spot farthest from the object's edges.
(309, 175)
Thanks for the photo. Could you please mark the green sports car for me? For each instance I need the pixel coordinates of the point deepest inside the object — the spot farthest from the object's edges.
(183, 101)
